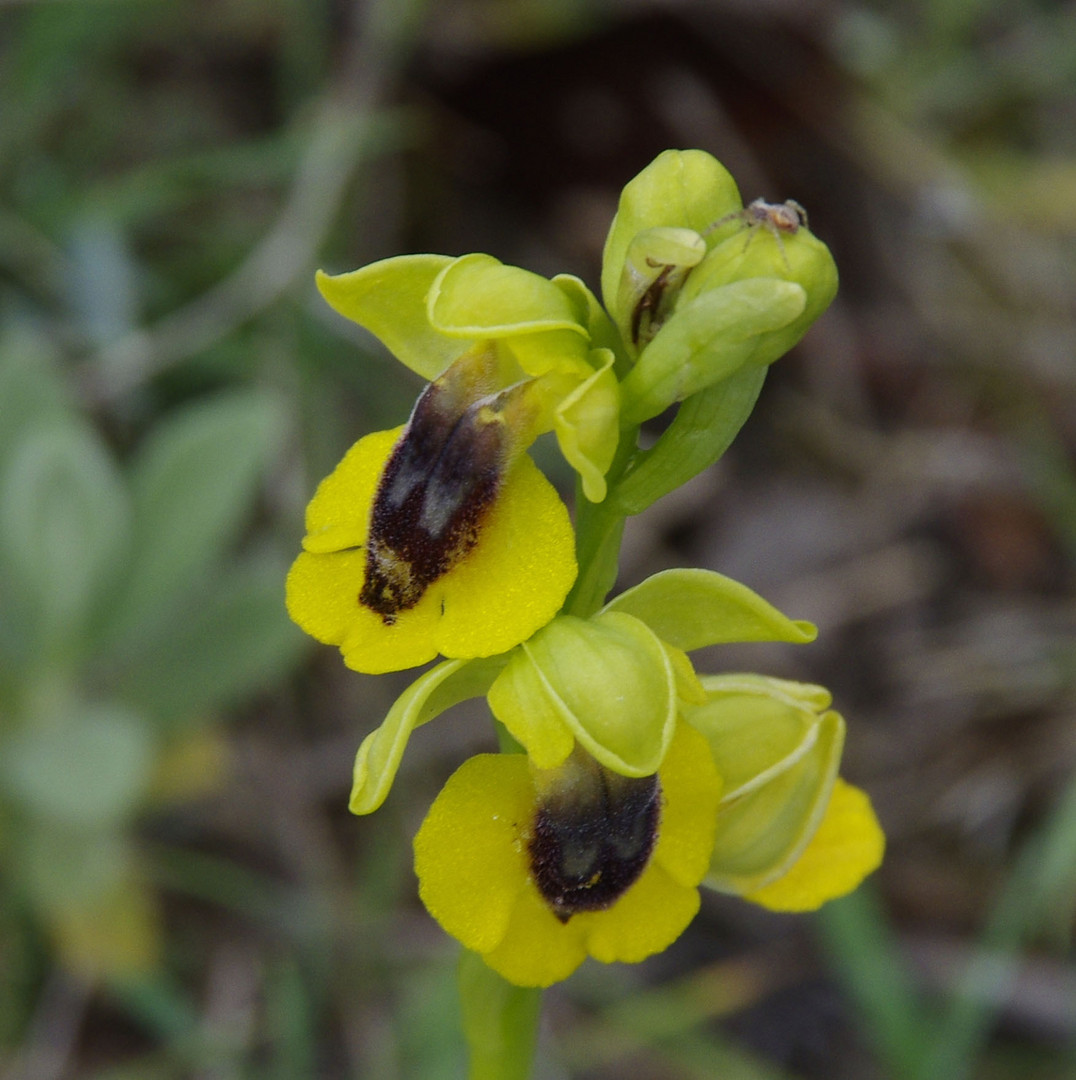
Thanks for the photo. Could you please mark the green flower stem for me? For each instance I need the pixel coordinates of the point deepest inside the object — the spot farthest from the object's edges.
(599, 530)
(500, 1021)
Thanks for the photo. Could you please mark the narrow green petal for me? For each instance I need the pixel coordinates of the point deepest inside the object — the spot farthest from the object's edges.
(388, 298)
(690, 608)
(587, 426)
(427, 697)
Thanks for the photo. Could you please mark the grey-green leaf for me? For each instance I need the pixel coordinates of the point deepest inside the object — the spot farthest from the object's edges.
(194, 483)
(232, 638)
(63, 528)
(85, 768)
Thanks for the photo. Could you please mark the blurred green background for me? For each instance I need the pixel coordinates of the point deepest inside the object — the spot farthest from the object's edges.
(182, 892)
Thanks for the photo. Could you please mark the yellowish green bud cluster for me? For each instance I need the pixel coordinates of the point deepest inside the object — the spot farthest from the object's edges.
(638, 780)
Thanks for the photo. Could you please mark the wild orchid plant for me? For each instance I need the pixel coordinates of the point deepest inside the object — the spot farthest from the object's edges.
(626, 781)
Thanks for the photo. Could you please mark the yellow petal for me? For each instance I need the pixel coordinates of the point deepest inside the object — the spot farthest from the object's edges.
(509, 585)
(847, 847)
(537, 949)
(517, 576)
(469, 858)
(322, 593)
(649, 917)
(343, 499)
(692, 789)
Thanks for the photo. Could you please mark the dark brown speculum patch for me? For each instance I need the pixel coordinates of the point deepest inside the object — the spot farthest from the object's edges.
(439, 483)
(590, 845)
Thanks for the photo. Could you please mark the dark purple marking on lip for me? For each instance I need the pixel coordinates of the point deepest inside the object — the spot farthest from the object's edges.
(439, 483)
(587, 851)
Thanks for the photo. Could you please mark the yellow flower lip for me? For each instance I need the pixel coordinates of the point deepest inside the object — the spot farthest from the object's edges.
(437, 487)
(476, 863)
(439, 538)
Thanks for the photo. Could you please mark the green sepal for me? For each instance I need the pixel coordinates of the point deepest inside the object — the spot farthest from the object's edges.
(443, 686)
(700, 432)
(706, 340)
(606, 682)
(779, 756)
(388, 298)
(691, 608)
(687, 189)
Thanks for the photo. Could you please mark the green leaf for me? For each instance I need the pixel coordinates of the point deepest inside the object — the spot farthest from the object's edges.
(691, 608)
(194, 483)
(86, 768)
(32, 391)
(707, 340)
(233, 638)
(61, 868)
(63, 528)
(443, 686)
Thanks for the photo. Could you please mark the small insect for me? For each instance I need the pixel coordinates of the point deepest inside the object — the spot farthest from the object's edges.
(776, 218)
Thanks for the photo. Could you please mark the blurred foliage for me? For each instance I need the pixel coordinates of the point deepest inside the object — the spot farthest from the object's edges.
(181, 891)
(128, 627)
